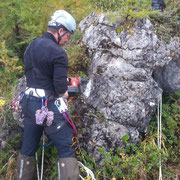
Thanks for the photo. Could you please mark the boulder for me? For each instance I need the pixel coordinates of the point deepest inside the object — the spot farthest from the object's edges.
(168, 77)
(121, 89)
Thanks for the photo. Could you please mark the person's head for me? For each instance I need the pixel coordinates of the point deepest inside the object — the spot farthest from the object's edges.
(61, 25)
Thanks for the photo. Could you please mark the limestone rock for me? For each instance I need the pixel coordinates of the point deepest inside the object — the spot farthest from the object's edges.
(168, 77)
(3, 144)
(121, 86)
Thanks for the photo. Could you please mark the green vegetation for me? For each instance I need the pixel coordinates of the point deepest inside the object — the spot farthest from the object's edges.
(126, 12)
(142, 161)
(9, 71)
(23, 20)
(167, 24)
(8, 158)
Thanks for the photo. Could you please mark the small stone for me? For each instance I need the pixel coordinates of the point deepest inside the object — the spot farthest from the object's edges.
(16, 115)
(3, 144)
(3, 134)
(152, 104)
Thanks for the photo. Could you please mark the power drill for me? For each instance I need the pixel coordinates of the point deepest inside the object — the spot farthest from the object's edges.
(75, 85)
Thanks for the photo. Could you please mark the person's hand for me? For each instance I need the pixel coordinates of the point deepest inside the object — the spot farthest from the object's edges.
(65, 95)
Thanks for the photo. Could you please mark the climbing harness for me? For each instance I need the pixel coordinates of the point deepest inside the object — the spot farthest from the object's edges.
(61, 104)
(159, 133)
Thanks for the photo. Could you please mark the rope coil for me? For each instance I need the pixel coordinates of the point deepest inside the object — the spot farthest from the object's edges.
(88, 171)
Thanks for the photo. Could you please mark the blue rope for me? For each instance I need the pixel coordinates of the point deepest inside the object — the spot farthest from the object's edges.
(46, 145)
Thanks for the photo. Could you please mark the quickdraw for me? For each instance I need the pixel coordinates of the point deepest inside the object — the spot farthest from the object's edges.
(17, 104)
(62, 107)
(44, 103)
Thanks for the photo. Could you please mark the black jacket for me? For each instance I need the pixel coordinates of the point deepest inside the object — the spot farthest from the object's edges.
(46, 65)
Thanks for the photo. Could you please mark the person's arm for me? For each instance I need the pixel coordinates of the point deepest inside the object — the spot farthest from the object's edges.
(60, 66)
(65, 95)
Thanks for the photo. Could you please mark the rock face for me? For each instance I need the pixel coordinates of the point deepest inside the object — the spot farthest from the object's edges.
(168, 77)
(20, 87)
(121, 87)
(8, 133)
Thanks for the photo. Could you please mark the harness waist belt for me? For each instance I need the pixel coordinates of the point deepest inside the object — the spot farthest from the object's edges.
(35, 92)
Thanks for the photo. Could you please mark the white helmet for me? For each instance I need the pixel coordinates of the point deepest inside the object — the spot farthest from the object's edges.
(62, 17)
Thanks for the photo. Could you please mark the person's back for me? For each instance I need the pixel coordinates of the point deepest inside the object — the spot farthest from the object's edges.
(41, 59)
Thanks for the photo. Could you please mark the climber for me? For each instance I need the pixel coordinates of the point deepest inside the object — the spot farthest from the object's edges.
(158, 5)
(46, 65)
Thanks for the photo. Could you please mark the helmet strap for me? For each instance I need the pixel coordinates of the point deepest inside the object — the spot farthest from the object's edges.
(60, 37)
